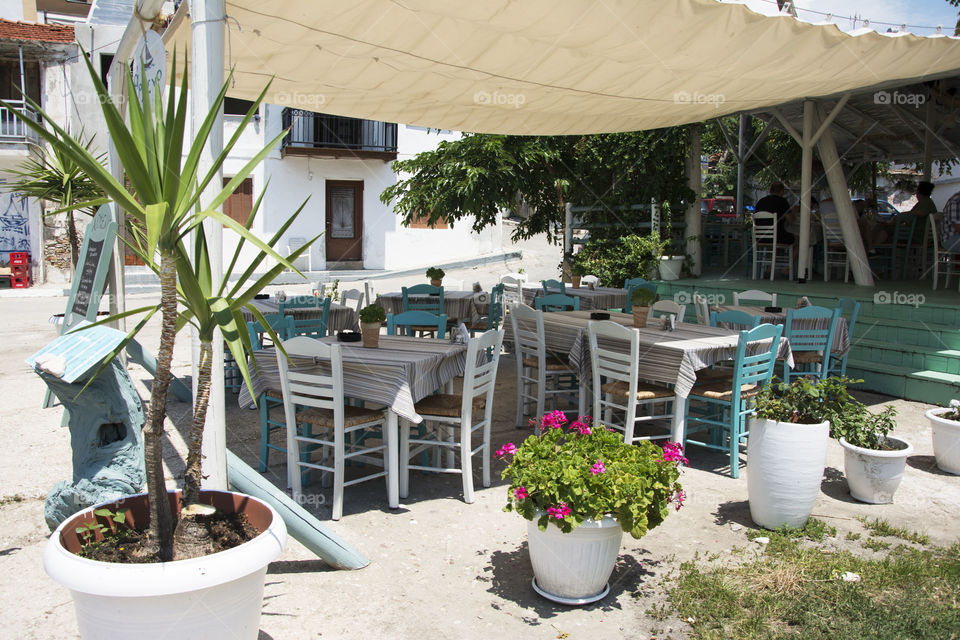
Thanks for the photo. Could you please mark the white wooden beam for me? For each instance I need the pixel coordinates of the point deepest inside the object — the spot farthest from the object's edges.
(787, 126)
(837, 108)
(693, 233)
(806, 173)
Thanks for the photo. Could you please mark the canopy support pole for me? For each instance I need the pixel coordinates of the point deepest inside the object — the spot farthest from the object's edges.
(740, 162)
(208, 27)
(693, 231)
(841, 200)
(928, 141)
(806, 175)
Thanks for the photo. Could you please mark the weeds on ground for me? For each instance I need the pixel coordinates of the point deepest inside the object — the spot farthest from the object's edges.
(876, 545)
(853, 536)
(797, 591)
(880, 527)
(815, 530)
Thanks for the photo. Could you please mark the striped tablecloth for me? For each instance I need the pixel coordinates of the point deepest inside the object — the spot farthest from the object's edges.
(600, 298)
(399, 373)
(341, 318)
(458, 305)
(841, 340)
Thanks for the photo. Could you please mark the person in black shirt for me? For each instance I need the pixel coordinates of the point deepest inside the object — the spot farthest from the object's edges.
(776, 203)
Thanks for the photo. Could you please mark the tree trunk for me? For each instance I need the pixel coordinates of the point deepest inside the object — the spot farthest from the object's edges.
(74, 239)
(160, 536)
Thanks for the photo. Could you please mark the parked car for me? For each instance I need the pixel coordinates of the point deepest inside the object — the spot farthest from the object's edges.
(720, 206)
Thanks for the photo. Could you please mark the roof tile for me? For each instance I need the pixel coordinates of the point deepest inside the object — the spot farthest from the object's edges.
(10, 30)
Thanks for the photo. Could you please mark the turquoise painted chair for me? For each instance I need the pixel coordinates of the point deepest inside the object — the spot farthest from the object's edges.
(315, 327)
(283, 326)
(557, 302)
(632, 283)
(810, 340)
(553, 286)
(850, 309)
(429, 298)
(410, 322)
(494, 315)
(733, 319)
(728, 401)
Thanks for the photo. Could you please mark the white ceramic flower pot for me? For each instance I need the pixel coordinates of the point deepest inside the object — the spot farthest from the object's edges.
(573, 568)
(670, 267)
(873, 475)
(785, 464)
(216, 596)
(946, 440)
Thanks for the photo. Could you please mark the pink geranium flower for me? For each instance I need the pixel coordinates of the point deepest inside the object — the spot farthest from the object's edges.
(560, 511)
(598, 468)
(582, 427)
(679, 498)
(554, 420)
(520, 493)
(673, 452)
(507, 449)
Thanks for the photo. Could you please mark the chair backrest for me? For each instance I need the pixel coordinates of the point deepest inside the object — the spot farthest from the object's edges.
(633, 283)
(903, 224)
(495, 314)
(757, 366)
(429, 298)
(755, 298)
(409, 321)
(666, 307)
(528, 335)
(315, 326)
(514, 294)
(702, 308)
(282, 326)
(557, 302)
(830, 225)
(513, 278)
(813, 335)
(352, 294)
(588, 280)
(734, 320)
(614, 364)
(368, 292)
(851, 307)
(318, 388)
(480, 376)
(320, 288)
(553, 286)
(764, 227)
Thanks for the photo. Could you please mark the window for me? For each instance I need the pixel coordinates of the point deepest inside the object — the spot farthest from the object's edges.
(106, 59)
(236, 106)
(423, 222)
(239, 205)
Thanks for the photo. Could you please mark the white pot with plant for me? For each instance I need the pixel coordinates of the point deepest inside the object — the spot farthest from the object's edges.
(787, 452)
(873, 461)
(371, 320)
(671, 267)
(162, 196)
(581, 487)
(435, 275)
(945, 425)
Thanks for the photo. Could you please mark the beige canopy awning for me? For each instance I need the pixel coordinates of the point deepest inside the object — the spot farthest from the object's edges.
(548, 67)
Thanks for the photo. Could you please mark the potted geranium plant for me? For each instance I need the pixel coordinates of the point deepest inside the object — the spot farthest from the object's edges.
(161, 194)
(945, 426)
(371, 319)
(435, 274)
(640, 300)
(581, 487)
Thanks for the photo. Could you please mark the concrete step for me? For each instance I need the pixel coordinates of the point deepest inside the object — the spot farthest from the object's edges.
(932, 387)
(917, 358)
(908, 333)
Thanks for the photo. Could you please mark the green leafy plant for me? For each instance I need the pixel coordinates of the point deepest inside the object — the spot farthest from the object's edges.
(372, 313)
(809, 401)
(435, 273)
(566, 474)
(642, 297)
(579, 266)
(113, 517)
(614, 261)
(162, 196)
(88, 531)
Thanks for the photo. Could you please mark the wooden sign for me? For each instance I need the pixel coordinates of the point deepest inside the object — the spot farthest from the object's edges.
(92, 268)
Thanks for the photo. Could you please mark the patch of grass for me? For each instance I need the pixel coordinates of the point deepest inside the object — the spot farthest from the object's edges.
(815, 530)
(880, 527)
(853, 536)
(876, 545)
(795, 592)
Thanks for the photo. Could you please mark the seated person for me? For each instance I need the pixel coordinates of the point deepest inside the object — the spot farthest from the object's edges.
(776, 203)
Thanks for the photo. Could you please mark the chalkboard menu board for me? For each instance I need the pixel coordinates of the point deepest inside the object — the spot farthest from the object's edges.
(88, 275)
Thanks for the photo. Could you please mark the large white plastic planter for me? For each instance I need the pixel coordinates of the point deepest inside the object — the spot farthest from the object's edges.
(946, 440)
(785, 464)
(670, 267)
(215, 596)
(573, 568)
(873, 476)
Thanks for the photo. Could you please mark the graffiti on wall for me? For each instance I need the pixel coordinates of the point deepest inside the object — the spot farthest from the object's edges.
(14, 224)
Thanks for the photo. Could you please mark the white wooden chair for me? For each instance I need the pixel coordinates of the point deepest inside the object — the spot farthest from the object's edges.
(834, 249)
(534, 367)
(615, 385)
(943, 261)
(513, 287)
(765, 248)
(661, 308)
(326, 421)
(352, 294)
(752, 296)
(470, 411)
(369, 293)
(702, 308)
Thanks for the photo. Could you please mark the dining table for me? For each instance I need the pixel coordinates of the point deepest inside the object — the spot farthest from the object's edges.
(669, 357)
(597, 298)
(458, 305)
(398, 373)
(341, 318)
(841, 339)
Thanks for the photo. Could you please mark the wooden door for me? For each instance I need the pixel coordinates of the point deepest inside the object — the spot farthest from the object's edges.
(344, 229)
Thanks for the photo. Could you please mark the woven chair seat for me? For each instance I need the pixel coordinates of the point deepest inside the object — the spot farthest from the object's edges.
(352, 416)
(552, 364)
(722, 389)
(447, 405)
(645, 391)
(274, 394)
(805, 357)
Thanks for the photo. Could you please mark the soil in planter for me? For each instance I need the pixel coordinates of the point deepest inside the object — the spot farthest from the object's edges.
(123, 546)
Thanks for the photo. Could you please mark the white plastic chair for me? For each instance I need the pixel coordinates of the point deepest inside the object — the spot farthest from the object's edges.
(447, 412)
(326, 420)
(754, 295)
(765, 249)
(834, 249)
(621, 390)
(665, 307)
(352, 294)
(534, 367)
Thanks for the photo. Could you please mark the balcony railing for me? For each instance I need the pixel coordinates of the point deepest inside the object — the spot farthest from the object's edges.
(337, 135)
(12, 128)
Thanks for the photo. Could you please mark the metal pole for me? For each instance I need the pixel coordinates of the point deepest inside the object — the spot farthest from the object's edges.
(694, 228)
(806, 179)
(208, 28)
(740, 161)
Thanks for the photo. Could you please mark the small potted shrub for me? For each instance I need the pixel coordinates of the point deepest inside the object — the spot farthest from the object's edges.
(873, 461)
(371, 319)
(640, 299)
(581, 487)
(435, 274)
(945, 424)
(579, 267)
